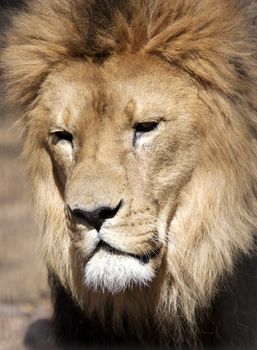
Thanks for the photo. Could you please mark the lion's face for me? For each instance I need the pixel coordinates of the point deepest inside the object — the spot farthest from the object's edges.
(139, 124)
(124, 140)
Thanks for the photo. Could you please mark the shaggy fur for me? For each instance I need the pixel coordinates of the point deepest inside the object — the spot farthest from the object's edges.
(199, 179)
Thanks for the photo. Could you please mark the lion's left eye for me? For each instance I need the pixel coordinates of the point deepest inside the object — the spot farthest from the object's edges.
(145, 127)
(61, 136)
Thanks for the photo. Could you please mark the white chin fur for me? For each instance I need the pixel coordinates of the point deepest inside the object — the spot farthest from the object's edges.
(115, 273)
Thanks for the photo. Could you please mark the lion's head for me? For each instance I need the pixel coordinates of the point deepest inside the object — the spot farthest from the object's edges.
(139, 124)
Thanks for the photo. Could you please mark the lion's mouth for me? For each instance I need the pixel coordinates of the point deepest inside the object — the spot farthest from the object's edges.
(143, 258)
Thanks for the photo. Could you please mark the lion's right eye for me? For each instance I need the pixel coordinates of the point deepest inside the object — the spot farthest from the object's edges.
(62, 136)
(145, 127)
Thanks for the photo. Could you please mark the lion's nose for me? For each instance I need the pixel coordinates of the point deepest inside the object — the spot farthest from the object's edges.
(95, 217)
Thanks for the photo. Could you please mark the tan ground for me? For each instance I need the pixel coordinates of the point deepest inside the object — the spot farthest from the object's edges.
(24, 296)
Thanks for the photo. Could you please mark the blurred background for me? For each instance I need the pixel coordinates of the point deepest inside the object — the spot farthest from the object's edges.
(24, 295)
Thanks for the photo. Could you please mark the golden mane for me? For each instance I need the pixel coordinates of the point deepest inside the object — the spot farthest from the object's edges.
(211, 42)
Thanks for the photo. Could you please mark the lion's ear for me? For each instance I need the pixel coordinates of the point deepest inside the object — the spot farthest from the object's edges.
(206, 40)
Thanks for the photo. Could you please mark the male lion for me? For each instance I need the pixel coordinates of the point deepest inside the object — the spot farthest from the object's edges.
(139, 124)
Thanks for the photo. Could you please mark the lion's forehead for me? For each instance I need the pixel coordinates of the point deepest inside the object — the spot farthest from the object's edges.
(84, 91)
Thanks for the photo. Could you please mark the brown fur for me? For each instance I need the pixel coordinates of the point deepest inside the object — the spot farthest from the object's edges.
(200, 175)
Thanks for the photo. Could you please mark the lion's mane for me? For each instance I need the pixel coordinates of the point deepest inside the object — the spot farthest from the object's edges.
(214, 43)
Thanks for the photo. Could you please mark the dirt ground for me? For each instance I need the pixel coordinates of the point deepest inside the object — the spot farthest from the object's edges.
(24, 295)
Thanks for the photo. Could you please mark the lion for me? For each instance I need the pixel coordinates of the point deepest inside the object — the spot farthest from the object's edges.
(139, 138)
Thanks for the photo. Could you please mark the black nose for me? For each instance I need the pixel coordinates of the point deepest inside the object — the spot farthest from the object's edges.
(96, 217)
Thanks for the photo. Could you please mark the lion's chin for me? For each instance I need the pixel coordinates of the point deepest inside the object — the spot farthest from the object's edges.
(114, 273)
